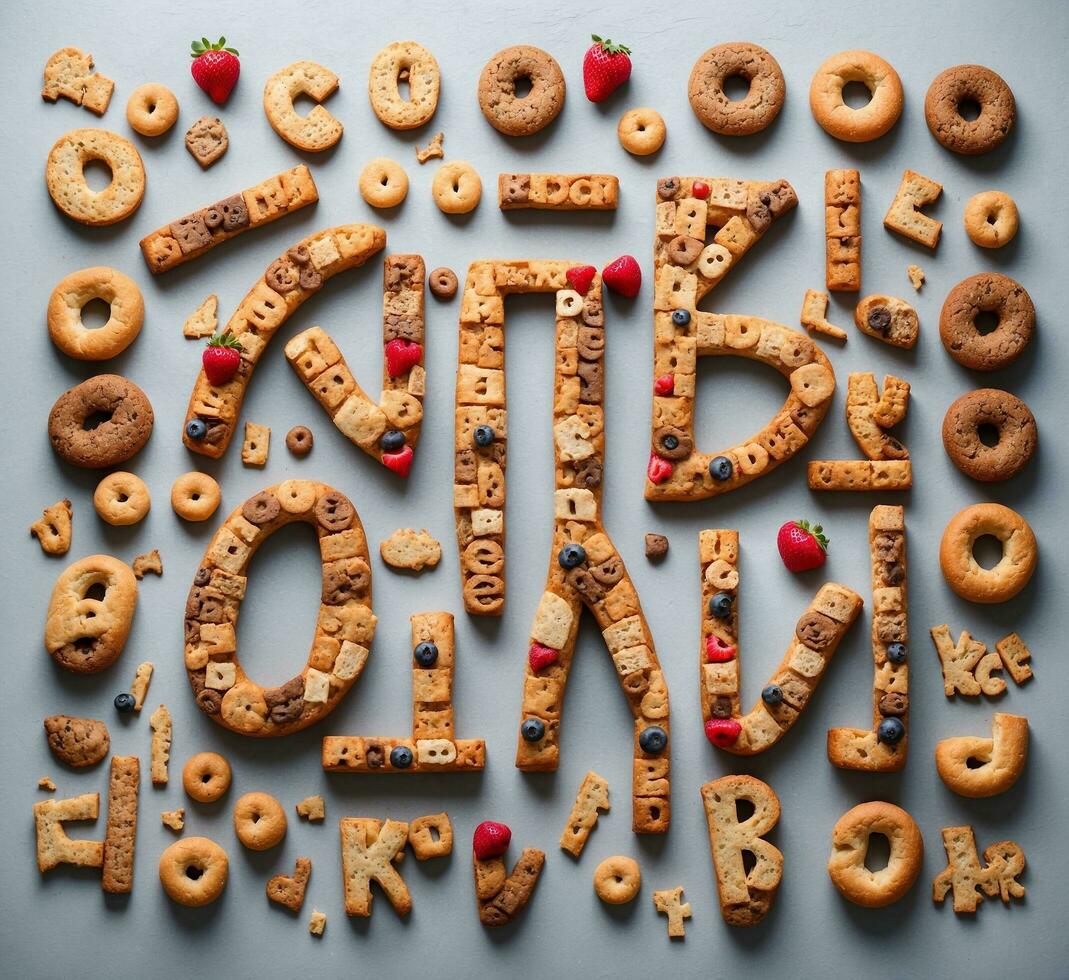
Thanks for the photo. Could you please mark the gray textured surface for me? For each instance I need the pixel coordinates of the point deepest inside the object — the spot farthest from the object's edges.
(61, 924)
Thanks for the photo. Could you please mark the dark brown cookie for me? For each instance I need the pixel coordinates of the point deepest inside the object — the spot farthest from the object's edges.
(507, 112)
(656, 546)
(988, 292)
(122, 411)
(736, 117)
(79, 742)
(207, 140)
(1011, 422)
(959, 86)
(443, 283)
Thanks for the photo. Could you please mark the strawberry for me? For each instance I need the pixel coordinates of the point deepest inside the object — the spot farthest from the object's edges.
(221, 358)
(802, 547)
(215, 68)
(664, 385)
(400, 462)
(623, 276)
(659, 469)
(718, 651)
(401, 355)
(490, 840)
(606, 66)
(580, 277)
(722, 732)
(540, 657)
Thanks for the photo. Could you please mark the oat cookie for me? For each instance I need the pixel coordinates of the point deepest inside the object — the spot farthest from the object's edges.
(410, 550)
(991, 219)
(1011, 421)
(72, 293)
(977, 767)
(369, 850)
(558, 192)
(150, 562)
(1015, 321)
(121, 499)
(78, 742)
(121, 408)
(160, 753)
(118, 867)
(641, 131)
(670, 903)
(814, 315)
(889, 319)
(53, 530)
(431, 836)
(204, 320)
(842, 230)
(256, 445)
(509, 113)
(316, 131)
(962, 571)
(964, 84)
(288, 890)
(756, 110)
(617, 880)
(964, 873)
(67, 186)
(54, 847)
(905, 215)
(413, 63)
(207, 140)
(870, 121)
(850, 844)
(311, 808)
(151, 109)
(593, 796)
(69, 73)
(184, 857)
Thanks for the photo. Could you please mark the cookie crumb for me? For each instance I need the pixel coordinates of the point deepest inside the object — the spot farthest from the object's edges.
(410, 550)
(148, 562)
(656, 546)
(433, 150)
(174, 819)
(204, 320)
(312, 808)
(46, 784)
(317, 923)
(916, 276)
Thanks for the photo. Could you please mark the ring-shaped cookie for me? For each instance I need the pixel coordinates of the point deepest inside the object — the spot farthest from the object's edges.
(151, 109)
(641, 131)
(195, 496)
(318, 130)
(124, 415)
(870, 121)
(988, 292)
(193, 871)
(121, 499)
(69, 190)
(206, 777)
(383, 183)
(965, 575)
(964, 84)
(991, 219)
(259, 821)
(736, 117)
(299, 440)
(443, 283)
(1008, 416)
(850, 845)
(419, 68)
(456, 188)
(617, 880)
(509, 113)
(979, 767)
(69, 298)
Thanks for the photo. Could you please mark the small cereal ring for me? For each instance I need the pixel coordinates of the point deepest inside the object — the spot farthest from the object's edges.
(259, 821)
(641, 131)
(296, 496)
(206, 777)
(965, 575)
(121, 499)
(988, 292)
(383, 183)
(299, 440)
(1014, 427)
(991, 219)
(195, 496)
(67, 186)
(193, 871)
(69, 298)
(507, 112)
(736, 117)
(965, 84)
(151, 109)
(124, 414)
(617, 880)
(850, 845)
(443, 283)
(683, 250)
(412, 61)
(840, 120)
(457, 188)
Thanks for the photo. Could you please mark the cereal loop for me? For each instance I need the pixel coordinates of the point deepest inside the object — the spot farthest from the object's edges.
(641, 131)
(457, 188)
(195, 496)
(151, 109)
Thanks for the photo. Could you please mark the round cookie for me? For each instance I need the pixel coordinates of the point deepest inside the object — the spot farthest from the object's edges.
(69, 298)
(121, 499)
(641, 131)
(193, 871)
(383, 183)
(125, 428)
(443, 283)
(850, 844)
(741, 117)
(868, 122)
(67, 186)
(987, 292)
(963, 572)
(299, 440)
(195, 496)
(415, 64)
(206, 777)
(991, 219)
(617, 880)
(457, 188)
(1014, 426)
(77, 742)
(964, 84)
(151, 109)
(507, 112)
(259, 821)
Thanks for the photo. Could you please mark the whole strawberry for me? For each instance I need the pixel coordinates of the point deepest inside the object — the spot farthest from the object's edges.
(802, 547)
(606, 66)
(221, 358)
(215, 68)
(623, 276)
(490, 840)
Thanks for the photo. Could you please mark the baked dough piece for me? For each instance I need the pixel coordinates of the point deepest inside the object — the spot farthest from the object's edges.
(964, 873)
(316, 131)
(850, 844)
(976, 767)
(69, 73)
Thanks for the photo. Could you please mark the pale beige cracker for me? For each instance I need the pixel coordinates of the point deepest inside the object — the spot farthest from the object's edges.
(1015, 657)
(669, 903)
(410, 62)
(410, 550)
(431, 836)
(314, 131)
(204, 320)
(814, 315)
(162, 734)
(905, 216)
(69, 74)
(142, 678)
(964, 873)
(916, 276)
(71, 193)
(593, 796)
(850, 844)
(312, 808)
(433, 150)
(369, 849)
(174, 819)
(317, 923)
(53, 530)
(54, 847)
(257, 444)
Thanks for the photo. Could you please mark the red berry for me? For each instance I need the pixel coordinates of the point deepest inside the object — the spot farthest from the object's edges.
(717, 651)
(623, 276)
(490, 840)
(699, 189)
(221, 358)
(540, 657)
(400, 462)
(606, 66)
(664, 385)
(401, 356)
(802, 547)
(722, 732)
(580, 277)
(215, 68)
(659, 469)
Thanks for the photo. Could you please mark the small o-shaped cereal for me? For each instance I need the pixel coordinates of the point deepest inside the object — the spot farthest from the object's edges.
(151, 109)
(991, 219)
(259, 821)
(868, 122)
(299, 440)
(193, 871)
(457, 188)
(206, 777)
(965, 575)
(296, 496)
(67, 186)
(420, 69)
(70, 297)
(383, 183)
(641, 131)
(443, 283)
(121, 499)
(850, 845)
(195, 496)
(617, 880)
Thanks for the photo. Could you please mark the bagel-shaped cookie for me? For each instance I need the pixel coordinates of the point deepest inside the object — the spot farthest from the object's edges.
(838, 119)
(988, 292)
(259, 821)
(641, 131)
(195, 496)
(509, 113)
(90, 613)
(318, 130)
(70, 297)
(383, 183)
(121, 499)
(456, 188)
(443, 283)
(977, 767)
(1014, 427)
(991, 219)
(617, 880)
(414, 63)
(67, 186)
(124, 415)
(736, 117)
(206, 777)
(151, 109)
(193, 871)
(965, 575)
(850, 845)
(960, 86)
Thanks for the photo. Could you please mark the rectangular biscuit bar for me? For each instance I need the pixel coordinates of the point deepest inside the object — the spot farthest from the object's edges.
(558, 192)
(118, 875)
(842, 230)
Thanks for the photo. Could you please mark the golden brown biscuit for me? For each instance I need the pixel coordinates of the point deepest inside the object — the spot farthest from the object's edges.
(195, 496)
(151, 109)
(617, 880)
(316, 131)
(413, 63)
(456, 188)
(641, 131)
(53, 530)
(121, 499)
(69, 73)
(991, 219)
(126, 313)
(259, 821)
(977, 767)
(1012, 423)
(850, 844)
(193, 871)
(206, 776)
(960, 568)
(514, 115)
(383, 183)
(67, 186)
(840, 120)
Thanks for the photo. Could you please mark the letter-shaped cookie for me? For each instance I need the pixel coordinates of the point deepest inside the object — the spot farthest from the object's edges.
(593, 796)
(961, 662)
(118, 858)
(905, 215)
(842, 230)
(557, 192)
(850, 845)
(976, 767)
(316, 131)
(369, 849)
(54, 847)
(964, 874)
(501, 899)
(669, 903)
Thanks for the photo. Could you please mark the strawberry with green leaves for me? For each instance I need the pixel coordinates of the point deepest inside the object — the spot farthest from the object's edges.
(606, 66)
(802, 547)
(221, 358)
(215, 68)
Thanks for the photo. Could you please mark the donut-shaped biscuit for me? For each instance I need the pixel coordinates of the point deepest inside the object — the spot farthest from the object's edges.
(65, 176)
(965, 575)
(1010, 419)
(837, 118)
(988, 292)
(969, 84)
(991, 219)
(195, 496)
(736, 117)
(617, 880)
(70, 297)
(641, 131)
(121, 499)
(850, 844)
(414, 63)
(124, 415)
(206, 777)
(442, 283)
(383, 183)
(299, 440)
(259, 821)
(151, 109)
(193, 871)
(507, 112)
(456, 188)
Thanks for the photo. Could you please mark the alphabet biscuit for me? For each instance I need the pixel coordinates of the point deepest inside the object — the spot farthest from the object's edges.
(593, 796)
(500, 898)
(288, 890)
(979, 767)
(69, 73)
(670, 903)
(558, 192)
(53, 530)
(369, 849)
(814, 315)
(905, 215)
(160, 755)
(54, 847)
(842, 230)
(316, 131)
(964, 873)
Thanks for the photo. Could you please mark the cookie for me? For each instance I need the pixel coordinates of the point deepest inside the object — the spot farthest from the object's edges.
(916, 276)
(515, 115)
(207, 140)
(142, 678)
(311, 808)
(312, 132)
(121, 499)
(121, 836)
(195, 496)
(1015, 656)
(558, 192)
(814, 315)
(160, 753)
(414, 64)
(90, 613)
(978, 767)
(151, 109)
(744, 116)
(670, 904)
(206, 777)
(593, 796)
(963, 85)
(617, 880)
(443, 283)
(965, 575)
(193, 871)
(456, 188)
(431, 836)
(964, 873)
(656, 546)
(991, 219)
(905, 216)
(369, 849)
(1015, 321)
(150, 562)
(850, 845)
(259, 821)
(71, 193)
(889, 319)
(383, 183)
(69, 74)
(997, 413)
(53, 530)
(288, 890)
(204, 320)
(54, 847)
(432, 151)
(641, 131)
(126, 313)
(125, 422)
(257, 443)
(410, 550)
(299, 273)
(174, 819)
(501, 895)
(77, 742)
(317, 922)
(967, 666)
(870, 121)
(842, 231)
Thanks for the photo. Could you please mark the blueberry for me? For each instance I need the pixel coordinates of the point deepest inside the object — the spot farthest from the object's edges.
(670, 442)
(571, 555)
(891, 731)
(426, 654)
(680, 318)
(653, 740)
(483, 435)
(773, 694)
(720, 468)
(897, 652)
(124, 702)
(401, 757)
(532, 729)
(392, 440)
(720, 605)
(196, 429)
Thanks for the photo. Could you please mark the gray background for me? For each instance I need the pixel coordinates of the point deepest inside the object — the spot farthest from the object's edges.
(61, 924)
